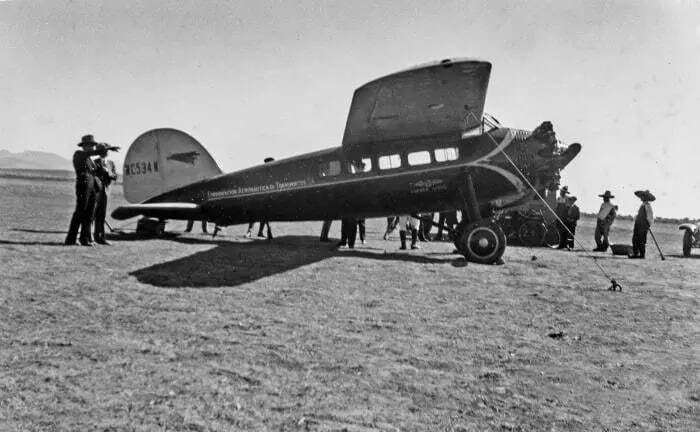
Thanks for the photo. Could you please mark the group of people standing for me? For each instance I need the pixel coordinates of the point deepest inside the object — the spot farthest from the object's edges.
(92, 180)
(419, 228)
(568, 213)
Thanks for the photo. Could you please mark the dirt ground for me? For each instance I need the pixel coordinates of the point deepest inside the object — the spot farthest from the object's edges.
(217, 334)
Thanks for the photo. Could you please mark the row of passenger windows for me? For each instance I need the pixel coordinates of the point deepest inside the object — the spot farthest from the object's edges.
(387, 162)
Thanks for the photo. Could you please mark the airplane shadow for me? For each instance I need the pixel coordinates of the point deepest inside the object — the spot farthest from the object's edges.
(235, 263)
(30, 243)
(39, 231)
(683, 257)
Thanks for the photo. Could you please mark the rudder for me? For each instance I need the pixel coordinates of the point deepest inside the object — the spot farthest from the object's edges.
(164, 159)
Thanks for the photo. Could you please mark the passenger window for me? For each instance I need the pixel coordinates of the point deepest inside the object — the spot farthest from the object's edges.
(329, 168)
(360, 166)
(389, 162)
(446, 154)
(419, 158)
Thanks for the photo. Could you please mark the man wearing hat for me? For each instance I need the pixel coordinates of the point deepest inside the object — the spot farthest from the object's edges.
(642, 222)
(562, 211)
(84, 192)
(572, 217)
(606, 216)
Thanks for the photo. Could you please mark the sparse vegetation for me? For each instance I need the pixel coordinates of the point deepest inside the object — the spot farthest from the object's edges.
(218, 334)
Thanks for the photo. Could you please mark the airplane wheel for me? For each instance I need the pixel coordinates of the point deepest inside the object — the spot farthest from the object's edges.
(687, 243)
(481, 242)
(551, 236)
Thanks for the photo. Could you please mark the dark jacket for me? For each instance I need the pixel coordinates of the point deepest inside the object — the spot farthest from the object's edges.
(574, 214)
(82, 164)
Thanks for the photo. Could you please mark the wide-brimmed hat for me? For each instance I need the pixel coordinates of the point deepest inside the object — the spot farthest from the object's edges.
(607, 194)
(645, 195)
(564, 190)
(268, 159)
(87, 140)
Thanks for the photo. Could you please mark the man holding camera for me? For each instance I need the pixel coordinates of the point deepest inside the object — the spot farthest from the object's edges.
(87, 185)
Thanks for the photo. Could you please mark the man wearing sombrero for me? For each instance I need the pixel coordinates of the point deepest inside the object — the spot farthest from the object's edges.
(562, 210)
(642, 222)
(606, 216)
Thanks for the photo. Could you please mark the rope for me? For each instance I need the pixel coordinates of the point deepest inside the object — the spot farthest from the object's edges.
(605, 273)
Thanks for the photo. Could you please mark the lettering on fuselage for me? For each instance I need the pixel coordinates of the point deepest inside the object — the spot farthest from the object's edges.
(270, 187)
(424, 186)
(140, 168)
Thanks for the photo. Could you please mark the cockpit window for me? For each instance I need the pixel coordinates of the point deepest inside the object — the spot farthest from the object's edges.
(360, 166)
(419, 158)
(389, 162)
(446, 154)
(329, 168)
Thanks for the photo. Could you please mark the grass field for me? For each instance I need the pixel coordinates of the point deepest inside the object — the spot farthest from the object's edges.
(199, 333)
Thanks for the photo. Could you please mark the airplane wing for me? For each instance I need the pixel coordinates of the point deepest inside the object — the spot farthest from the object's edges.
(437, 98)
(173, 210)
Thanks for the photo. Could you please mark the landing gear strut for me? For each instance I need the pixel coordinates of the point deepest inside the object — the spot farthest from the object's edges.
(479, 240)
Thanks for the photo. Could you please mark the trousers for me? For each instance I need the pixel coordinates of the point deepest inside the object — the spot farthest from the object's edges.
(84, 209)
(602, 229)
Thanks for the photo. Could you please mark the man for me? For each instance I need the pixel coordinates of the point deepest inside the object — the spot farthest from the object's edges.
(325, 229)
(348, 232)
(106, 174)
(391, 223)
(85, 185)
(642, 223)
(411, 223)
(606, 217)
(562, 211)
(424, 227)
(448, 219)
(572, 217)
(361, 228)
(190, 225)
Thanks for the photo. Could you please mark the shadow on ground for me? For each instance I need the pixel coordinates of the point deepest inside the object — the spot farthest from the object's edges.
(234, 263)
(31, 243)
(40, 231)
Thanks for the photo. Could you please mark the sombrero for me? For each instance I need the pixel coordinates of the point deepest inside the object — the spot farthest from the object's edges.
(607, 194)
(87, 140)
(645, 195)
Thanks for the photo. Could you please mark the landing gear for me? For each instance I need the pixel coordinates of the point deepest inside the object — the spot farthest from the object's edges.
(481, 242)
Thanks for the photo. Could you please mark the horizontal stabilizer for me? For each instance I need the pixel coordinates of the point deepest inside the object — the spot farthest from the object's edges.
(172, 210)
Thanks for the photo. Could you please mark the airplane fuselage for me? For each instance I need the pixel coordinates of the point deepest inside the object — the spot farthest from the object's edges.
(390, 178)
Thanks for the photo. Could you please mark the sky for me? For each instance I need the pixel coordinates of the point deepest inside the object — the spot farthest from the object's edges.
(251, 79)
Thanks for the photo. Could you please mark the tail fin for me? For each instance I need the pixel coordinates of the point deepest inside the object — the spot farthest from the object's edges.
(164, 159)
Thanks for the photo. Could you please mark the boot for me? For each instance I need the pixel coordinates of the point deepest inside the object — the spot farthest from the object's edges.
(414, 238)
(402, 235)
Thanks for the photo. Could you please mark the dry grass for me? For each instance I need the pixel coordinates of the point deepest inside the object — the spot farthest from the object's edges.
(195, 333)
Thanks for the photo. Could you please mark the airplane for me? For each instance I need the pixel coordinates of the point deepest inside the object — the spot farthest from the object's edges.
(415, 141)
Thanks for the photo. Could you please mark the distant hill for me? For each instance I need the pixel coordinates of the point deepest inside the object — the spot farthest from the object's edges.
(34, 160)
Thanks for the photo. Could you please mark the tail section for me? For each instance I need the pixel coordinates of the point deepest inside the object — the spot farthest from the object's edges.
(164, 159)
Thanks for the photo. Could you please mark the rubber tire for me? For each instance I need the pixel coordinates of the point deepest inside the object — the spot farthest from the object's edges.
(532, 233)
(468, 241)
(552, 237)
(687, 243)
